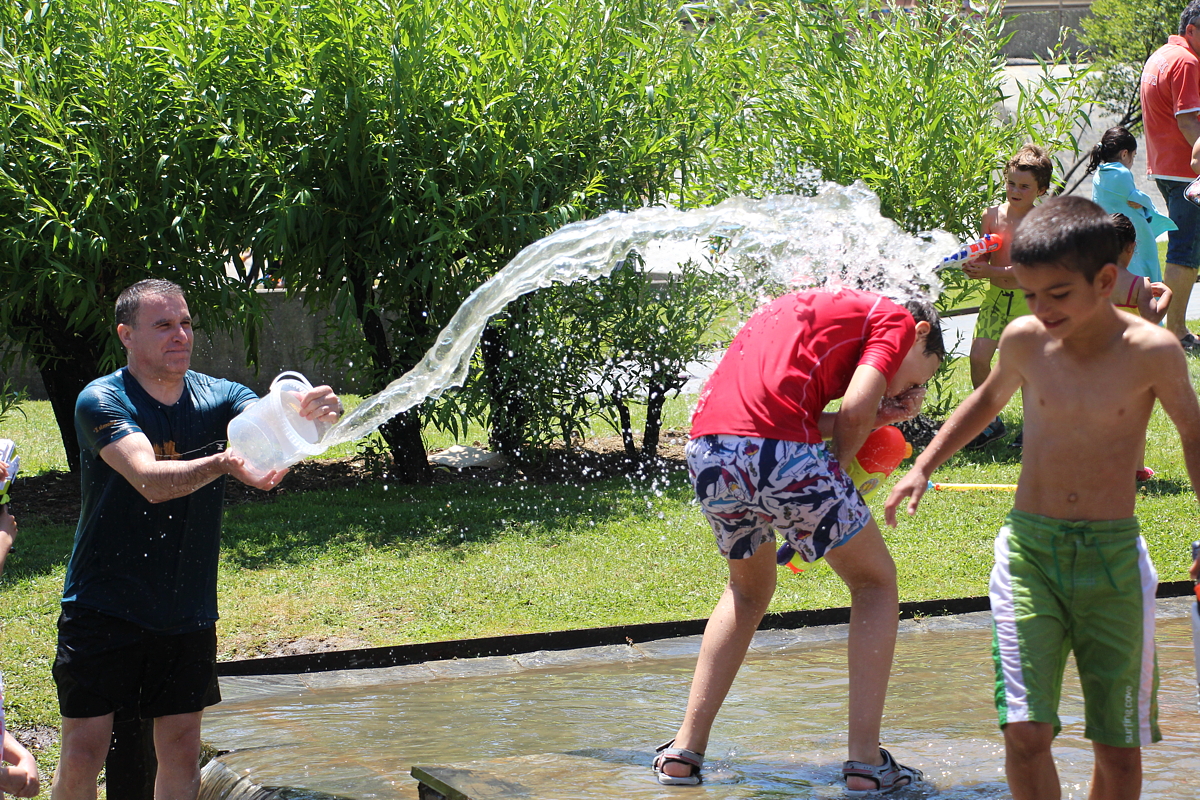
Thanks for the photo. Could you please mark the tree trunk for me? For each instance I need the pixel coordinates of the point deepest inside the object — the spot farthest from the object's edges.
(403, 436)
(626, 428)
(64, 381)
(508, 417)
(403, 432)
(654, 407)
(67, 362)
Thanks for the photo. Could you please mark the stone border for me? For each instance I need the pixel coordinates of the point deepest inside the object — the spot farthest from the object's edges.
(239, 689)
(619, 635)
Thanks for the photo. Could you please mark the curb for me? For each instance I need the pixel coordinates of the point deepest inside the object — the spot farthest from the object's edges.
(401, 655)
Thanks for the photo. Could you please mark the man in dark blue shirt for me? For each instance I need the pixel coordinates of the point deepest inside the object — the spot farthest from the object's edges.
(139, 608)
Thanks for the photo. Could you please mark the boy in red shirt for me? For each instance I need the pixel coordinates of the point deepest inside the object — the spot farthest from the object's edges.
(759, 464)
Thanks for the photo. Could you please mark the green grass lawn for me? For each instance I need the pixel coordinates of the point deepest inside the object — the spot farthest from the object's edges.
(387, 564)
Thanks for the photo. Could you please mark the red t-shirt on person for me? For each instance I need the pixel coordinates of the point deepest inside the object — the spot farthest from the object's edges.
(794, 356)
(1170, 87)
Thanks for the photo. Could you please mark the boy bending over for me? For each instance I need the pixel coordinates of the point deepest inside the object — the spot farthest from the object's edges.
(758, 463)
(1071, 571)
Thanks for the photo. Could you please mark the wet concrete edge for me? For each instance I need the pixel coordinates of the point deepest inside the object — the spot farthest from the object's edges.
(244, 688)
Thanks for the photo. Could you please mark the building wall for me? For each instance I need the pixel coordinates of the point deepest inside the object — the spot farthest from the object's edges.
(289, 334)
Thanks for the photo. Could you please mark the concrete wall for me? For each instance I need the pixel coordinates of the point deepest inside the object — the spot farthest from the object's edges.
(289, 333)
(1036, 26)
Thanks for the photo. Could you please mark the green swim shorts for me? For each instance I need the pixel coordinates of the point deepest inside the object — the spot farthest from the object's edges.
(1089, 587)
(999, 307)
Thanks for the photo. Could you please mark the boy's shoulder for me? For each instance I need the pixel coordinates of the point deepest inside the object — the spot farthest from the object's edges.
(1149, 338)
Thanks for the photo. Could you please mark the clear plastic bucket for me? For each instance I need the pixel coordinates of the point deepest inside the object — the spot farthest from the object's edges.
(270, 434)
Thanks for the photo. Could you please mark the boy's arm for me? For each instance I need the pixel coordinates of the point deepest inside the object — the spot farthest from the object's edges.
(20, 780)
(8, 534)
(856, 418)
(978, 266)
(964, 425)
(1173, 388)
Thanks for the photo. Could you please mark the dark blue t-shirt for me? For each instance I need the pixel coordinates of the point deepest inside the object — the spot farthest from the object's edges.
(154, 564)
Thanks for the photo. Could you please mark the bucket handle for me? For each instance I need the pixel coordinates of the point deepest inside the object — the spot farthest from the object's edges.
(290, 374)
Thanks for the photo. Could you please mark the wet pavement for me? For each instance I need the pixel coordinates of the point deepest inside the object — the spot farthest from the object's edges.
(583, 724)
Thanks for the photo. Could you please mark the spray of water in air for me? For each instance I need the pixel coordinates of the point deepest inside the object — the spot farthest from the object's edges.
(836, 238)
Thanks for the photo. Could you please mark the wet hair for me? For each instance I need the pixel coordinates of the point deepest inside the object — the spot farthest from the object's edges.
(1190, 16)
(130, 300)
(1032, 158)
(1110, 145)
(1070, 232)
(925, 312)
(1126, 233)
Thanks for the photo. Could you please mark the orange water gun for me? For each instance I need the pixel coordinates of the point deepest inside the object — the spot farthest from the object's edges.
(878, 458)
(988, 243)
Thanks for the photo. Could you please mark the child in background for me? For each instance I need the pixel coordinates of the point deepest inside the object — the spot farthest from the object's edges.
(1135, 293)
(1113, 190)
(20, 779)
(1026, 178)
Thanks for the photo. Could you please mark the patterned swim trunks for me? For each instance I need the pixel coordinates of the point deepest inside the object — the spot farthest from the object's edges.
(749, 488)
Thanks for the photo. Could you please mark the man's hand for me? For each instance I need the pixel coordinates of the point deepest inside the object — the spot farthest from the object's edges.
(320, 404)
(234, 466)
(903, 406)
(912, 486)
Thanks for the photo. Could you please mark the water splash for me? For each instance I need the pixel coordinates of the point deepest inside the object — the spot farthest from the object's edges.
(836, 238)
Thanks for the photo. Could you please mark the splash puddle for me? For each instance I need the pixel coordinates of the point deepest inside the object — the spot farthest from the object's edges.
(586, 733)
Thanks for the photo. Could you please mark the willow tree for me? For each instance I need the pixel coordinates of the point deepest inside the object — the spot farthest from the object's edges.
(427, 141)
(112, 170)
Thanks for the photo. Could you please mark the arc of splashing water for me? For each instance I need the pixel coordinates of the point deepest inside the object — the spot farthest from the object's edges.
(836, 235)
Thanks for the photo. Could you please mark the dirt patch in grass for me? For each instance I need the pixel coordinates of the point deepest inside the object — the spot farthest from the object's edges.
(55, 495)
(35, 737)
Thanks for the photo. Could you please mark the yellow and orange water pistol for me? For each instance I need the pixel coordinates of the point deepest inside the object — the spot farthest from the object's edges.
(878, 458)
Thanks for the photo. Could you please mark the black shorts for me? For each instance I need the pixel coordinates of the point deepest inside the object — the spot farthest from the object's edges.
(105, 663)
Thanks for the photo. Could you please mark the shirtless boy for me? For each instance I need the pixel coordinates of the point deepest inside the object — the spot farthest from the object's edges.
(1026, 178)
(1071, 569)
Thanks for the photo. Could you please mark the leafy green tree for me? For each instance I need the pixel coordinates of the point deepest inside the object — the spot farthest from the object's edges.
(591, 349)
(421, 145)
(111, 171)
(1122, 34)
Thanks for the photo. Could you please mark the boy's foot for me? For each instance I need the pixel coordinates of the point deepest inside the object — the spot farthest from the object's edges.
(887, 776)
(1144, 474)
(1018, 440)
(1190, 343)
(686, 762)
(993, 431)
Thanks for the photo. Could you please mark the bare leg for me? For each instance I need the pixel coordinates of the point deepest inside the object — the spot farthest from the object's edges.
(869, 572)
(177, 747)
(1117, 774)
(84, 747)
(726, 639)
(1028, 763)
(1180, 279)
(982, 351)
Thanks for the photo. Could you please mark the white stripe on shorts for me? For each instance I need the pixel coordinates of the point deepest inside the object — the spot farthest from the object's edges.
(1016, 698)
(1146, 688)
